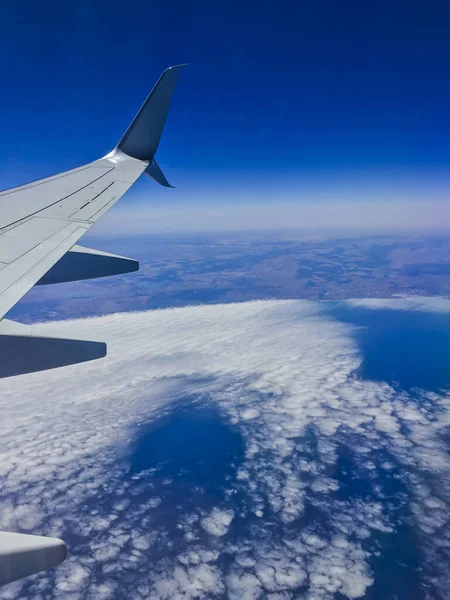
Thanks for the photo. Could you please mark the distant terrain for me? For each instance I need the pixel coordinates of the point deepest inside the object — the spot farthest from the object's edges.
(186, 270)
(276, 450)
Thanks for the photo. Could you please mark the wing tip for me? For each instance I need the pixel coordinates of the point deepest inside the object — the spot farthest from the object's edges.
(180, 66)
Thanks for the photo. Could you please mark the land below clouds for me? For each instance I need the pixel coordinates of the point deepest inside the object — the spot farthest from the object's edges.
(181, 270)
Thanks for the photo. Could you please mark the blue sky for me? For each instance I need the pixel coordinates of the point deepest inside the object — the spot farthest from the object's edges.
(279, 96)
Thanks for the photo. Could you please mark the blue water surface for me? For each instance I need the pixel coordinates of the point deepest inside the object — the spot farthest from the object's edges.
(404, 348)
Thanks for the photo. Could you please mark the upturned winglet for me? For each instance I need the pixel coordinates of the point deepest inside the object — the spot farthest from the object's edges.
(141, 139)
(154, 171)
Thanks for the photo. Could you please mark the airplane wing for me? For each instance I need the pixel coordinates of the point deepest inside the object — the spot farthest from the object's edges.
(41, 222)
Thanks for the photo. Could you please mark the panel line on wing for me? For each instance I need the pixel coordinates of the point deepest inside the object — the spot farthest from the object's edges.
(92, 199)
(16, 243)
(53, 248)
(39, 265)
(59, 200)
(33, 184)
(103, 208)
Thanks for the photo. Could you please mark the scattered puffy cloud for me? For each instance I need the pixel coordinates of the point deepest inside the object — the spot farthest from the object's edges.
(218, 522)
(284, 374)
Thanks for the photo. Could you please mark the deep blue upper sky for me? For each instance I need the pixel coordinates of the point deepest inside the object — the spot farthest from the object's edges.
(273, 88)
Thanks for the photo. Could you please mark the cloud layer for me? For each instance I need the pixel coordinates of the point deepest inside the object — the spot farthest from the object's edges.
(430, 304)
(333, 465)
